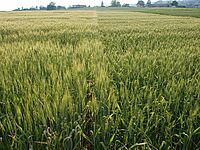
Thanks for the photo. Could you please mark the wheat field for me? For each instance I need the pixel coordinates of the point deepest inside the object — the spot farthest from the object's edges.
(99, 79)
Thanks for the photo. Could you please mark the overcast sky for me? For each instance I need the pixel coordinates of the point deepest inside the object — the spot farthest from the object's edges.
(13, 4)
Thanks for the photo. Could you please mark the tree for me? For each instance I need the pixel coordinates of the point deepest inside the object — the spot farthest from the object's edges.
(51, 6)
(148, 3)
(175, 3)
(42, 8)
(125, 5)
(115, 3)
(102, 4)
(33, 8)
(118, 4)
(140, 3)
(60, 7)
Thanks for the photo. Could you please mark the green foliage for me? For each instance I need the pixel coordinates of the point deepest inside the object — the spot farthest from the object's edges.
(102, 4)
(174, 3)
(125, 5)
(51, 6)
(140, 3)
(115, 3)
(148, 3)
(101, 80)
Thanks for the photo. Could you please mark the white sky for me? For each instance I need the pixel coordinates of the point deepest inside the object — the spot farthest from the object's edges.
(13, 4)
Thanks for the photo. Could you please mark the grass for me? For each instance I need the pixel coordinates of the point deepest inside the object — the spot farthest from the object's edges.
(188, 12)
(99, 80)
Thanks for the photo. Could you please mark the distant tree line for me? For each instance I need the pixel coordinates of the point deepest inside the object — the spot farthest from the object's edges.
(51, 6)
(160, 3)
(169, 3)
(116, 3)
(141, 3)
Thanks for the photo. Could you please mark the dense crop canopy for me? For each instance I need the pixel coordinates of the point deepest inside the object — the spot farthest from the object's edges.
(100, 80)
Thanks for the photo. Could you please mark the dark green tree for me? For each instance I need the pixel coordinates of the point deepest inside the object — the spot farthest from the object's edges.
(102, 4)
(175, 3)
(148, 3)
(125, 5)
(115, 3)
(42, 8)
(118, 4)
(51, 6)
(60, 7)
(140, 3)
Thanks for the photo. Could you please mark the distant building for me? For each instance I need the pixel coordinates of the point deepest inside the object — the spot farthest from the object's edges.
(78, 6)
(181, 3)
(18, 9)
(190, 3)
(197, 6)
(132, 5)
(161, 3)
